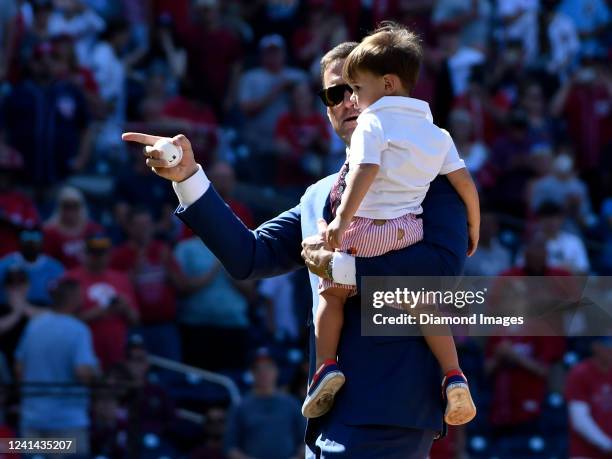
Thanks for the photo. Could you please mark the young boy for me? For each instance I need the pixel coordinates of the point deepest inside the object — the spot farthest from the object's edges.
(395, 153)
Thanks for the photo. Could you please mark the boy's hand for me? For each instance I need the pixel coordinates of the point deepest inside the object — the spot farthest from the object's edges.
(473, 237)
(335, 231)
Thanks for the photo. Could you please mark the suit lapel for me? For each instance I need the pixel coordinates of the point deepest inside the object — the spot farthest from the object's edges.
(315, 205)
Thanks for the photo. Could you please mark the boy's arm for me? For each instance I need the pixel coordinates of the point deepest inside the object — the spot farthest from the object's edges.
(463, 183)
(358, 182)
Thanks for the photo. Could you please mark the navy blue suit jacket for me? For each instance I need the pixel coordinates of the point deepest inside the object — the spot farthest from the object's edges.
(392, 381)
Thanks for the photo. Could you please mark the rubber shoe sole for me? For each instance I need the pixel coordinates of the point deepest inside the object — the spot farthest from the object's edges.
(460, 408)
(322, 399)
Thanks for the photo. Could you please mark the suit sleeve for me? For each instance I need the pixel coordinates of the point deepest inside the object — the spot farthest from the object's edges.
(273, 248)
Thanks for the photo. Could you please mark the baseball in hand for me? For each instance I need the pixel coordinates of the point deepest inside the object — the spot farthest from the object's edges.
(170, 152)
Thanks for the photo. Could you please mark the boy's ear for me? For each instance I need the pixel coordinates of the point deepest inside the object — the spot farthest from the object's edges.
(392, 83)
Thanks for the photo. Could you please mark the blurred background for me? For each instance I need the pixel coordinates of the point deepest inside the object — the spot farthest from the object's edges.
(180, 360)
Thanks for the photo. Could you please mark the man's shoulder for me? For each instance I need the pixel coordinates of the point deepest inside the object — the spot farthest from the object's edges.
(323, 185)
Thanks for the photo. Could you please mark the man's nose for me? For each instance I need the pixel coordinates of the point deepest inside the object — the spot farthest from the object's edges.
(351, 100)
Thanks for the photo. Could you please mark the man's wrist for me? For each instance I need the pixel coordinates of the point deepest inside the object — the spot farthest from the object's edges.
(192, 188)
(329, 269)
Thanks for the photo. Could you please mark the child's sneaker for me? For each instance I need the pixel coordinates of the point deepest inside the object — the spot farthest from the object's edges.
(326, 382)
(460, 408)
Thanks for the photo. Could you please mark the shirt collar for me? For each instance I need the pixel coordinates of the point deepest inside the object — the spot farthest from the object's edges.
(416, 106)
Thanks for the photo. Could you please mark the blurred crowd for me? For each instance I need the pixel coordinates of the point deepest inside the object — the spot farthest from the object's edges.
(96, 273)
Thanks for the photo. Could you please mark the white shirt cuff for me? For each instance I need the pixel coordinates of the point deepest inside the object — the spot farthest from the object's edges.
(343, 268)
(190, 190)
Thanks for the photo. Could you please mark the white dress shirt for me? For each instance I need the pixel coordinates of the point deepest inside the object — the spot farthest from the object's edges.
(191, 189)
(398, 134)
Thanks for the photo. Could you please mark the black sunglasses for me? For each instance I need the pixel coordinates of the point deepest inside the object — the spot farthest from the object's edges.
(334, 95)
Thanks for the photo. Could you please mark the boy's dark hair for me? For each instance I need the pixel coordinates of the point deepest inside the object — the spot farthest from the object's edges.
(390, 49)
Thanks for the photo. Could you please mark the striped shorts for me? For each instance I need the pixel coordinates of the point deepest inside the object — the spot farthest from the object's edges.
(370, 238)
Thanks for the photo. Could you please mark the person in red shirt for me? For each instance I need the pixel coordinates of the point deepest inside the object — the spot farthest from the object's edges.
(17, 210)
(214, 54)
(589, 397)
(519, 365)
(65, 232)
(109, 305)
(585, 102)
(156, 278)
(302, 138)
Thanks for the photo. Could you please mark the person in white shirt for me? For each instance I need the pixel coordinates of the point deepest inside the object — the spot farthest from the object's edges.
(395, 153)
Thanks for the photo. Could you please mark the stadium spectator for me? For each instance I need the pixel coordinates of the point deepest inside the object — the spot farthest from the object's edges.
(519, 368)
(280, 313)
(302, 141)
(157, 279)
(17, 210)
(78, 20)
(585, 104)
(215, 422)
(42, 270)
(56, 349)
(565, 250)
(223, 178)
(263, 94)
(558, 42)
(519, 19)
(591, 18)
(34, 31)
(214, 56)
(46, 119)
(151, 409)
(108, 305)
(564, 188)
(473, 152)
(492, 257)
(280, 437)
(15, 315)
(105, 61)
(322, 30)
(68, 227)
(473, 18)
(532, 101)
(589, 402)
(215, 316)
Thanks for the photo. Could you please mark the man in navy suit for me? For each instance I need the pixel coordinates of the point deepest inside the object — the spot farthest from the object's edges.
(391, 405)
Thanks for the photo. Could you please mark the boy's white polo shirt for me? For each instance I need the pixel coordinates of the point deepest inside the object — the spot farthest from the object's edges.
(398, 134)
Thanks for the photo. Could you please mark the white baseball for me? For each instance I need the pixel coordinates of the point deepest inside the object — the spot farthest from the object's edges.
(170, 152)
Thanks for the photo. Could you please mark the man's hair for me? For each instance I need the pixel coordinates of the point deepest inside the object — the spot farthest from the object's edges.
(390, 49)
(336, 53)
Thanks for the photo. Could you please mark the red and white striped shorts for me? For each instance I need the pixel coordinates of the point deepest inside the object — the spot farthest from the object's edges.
(367, 238)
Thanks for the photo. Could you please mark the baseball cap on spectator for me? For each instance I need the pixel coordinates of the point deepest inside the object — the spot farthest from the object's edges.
(263, 354)
(98, 242)
(136, 341)
(272, 41)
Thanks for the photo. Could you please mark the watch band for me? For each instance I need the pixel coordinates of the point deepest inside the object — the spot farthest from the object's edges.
(329, 270)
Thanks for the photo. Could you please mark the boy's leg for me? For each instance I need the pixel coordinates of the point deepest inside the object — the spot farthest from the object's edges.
(328, 378)
(328, 323)
(460, 408)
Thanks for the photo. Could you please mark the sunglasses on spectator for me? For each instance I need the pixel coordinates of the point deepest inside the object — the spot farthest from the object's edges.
(71, 204)
(334, 95)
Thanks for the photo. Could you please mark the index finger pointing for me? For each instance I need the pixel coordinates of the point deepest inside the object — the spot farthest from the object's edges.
(145, 139)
